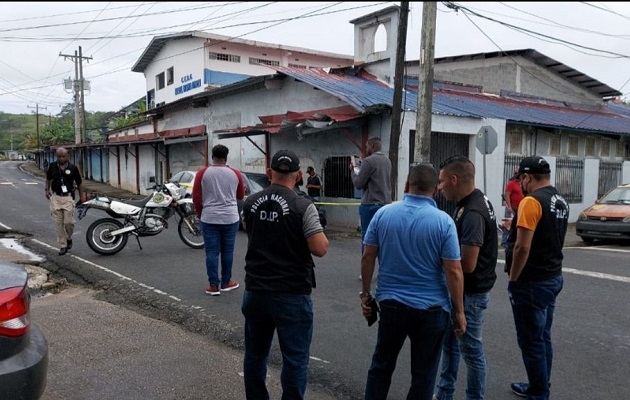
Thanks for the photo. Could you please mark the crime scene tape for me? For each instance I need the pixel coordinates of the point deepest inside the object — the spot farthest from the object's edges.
(321, 203)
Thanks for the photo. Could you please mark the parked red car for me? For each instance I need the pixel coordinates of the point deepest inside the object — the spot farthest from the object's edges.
(23, 347)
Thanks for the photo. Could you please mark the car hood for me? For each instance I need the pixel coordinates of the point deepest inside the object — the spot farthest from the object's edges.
(608, 210)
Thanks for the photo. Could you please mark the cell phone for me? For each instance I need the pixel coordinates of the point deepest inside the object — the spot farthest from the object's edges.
(375, 310)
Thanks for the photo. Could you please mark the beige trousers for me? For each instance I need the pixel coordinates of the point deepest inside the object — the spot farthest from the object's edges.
(62, 211)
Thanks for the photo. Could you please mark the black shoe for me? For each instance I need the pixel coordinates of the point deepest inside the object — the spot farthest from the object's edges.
(520, 388)
(63, 251)
(69, 246)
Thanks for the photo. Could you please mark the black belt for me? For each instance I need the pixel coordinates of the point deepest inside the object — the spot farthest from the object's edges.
(62, 194)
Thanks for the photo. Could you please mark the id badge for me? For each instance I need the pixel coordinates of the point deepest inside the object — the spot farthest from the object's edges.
(64, 189)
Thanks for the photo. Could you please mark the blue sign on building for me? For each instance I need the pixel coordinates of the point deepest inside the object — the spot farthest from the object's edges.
(188, 84)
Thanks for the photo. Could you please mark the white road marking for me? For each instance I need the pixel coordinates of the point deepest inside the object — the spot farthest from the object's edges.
(5, 226)
(121, 276)
(599, 275)
(600, 249)
(31, 183)
(6, 183)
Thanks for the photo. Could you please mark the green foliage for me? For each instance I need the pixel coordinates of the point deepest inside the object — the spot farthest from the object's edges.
(53, 130)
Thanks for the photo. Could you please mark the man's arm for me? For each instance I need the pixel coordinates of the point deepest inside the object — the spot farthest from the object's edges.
(455, 283)
(360, 180)
(368, 261)
(508, 201)
(318, 244)
(521, 251)
(197, 195)
(470, 254)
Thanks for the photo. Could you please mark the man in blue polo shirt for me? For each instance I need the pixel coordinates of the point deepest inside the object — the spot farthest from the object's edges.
(419, 284)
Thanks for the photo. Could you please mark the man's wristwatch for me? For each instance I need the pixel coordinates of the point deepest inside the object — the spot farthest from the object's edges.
(365, 294)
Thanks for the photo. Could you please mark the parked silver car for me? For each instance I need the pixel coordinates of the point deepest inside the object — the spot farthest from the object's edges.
(23, 347)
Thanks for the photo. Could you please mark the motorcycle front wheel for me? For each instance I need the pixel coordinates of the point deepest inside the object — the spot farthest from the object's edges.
(101, 241)
(190, 231)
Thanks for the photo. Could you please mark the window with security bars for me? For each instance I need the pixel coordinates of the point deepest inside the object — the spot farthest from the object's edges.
(573, 147)
(570, 179)
(225, 57)
(589, 147)
(259, 61)
(605, 148)
(554, 145)
(301, 66)
(337, 178)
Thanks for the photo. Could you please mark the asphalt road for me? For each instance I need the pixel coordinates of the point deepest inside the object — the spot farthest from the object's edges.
(165, 281)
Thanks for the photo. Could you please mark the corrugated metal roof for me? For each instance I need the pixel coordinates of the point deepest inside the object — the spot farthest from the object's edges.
(366, 94)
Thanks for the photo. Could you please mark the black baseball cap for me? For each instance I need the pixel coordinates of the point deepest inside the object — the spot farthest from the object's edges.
(285, 161)
(533, 165)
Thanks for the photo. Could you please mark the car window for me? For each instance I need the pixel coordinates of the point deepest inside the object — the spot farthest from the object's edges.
(176, 177)
(187, 177)
(254, 187)
(618, 195)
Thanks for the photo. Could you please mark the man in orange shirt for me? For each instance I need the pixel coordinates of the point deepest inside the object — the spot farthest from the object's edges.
(533, 260)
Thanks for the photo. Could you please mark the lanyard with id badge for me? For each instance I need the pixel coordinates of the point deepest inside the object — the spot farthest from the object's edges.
(64, 188)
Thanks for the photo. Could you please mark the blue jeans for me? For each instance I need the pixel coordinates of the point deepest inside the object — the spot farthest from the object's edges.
(219, 239)
(533, 304)
(425, 330)
(366, 213)
(292, 316)
(470, 347)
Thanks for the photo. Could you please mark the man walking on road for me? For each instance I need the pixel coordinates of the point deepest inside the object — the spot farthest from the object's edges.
(419, 284)
(477, 232)
(534, 264)
(284, 232)
(62, 178)
(215, 191)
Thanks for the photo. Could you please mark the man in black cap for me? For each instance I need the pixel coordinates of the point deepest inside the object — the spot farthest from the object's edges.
(284, 233)
(534, 264)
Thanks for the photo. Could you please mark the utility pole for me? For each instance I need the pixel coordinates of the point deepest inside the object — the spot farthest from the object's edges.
(422, 146)
(399, 76)
(37, 122)
(78, 88)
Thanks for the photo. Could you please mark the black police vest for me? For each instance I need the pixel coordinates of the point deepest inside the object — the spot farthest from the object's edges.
(278, 258)
(545, 255)
(484, 276)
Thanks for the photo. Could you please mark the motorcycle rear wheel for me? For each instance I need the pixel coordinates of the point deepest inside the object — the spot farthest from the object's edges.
(190, 231)
(100, 240)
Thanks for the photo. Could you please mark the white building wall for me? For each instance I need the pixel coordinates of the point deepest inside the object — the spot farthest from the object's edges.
(187, 59)
(591, 183)
(128, 168)
(625, 172)
(146, 157)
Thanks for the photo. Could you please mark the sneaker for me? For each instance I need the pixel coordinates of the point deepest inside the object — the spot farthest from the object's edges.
(63, 251)
(213, 290)
(231, 285)
(69, 245)
(519, 388)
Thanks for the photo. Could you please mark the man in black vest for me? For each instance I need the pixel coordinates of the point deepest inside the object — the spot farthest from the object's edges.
(477, 233)
(533, 261)
(284, 233)
(62, 178)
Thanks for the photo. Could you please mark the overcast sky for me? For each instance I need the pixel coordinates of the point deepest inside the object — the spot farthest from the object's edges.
(591, 37)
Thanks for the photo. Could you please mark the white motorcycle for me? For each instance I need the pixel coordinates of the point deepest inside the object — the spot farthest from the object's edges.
(145, 217)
